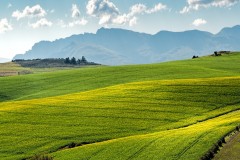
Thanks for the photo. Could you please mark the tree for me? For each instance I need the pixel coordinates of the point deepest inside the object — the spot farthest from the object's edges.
(79, 61)
(84, 60)
(194, 57)
(73, 61)
(67, 60)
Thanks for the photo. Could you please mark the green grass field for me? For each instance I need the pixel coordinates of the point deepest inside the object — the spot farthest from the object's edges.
(15, 68)
(173, 110)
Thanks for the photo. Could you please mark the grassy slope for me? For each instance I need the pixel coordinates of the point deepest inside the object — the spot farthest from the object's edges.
(70, 81)
(10, 69)
(153, 110)
(34, 126)
(185, 143)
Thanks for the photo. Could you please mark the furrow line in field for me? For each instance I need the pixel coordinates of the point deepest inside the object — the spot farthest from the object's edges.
(142, 149)
(178, 156)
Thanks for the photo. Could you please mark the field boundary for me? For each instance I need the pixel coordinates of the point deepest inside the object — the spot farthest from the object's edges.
(219, 144)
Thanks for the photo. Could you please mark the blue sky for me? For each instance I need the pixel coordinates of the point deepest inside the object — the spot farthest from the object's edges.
(25, 22)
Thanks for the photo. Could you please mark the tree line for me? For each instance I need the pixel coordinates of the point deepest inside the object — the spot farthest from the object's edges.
(75, 61)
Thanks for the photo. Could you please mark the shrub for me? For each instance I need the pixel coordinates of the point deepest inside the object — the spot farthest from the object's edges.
(238, 128)
(72, 145)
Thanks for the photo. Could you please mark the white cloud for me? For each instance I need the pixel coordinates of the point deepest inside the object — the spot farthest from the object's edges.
(9, 5)
(99, 8)
(108, 13)
(137, 9)
(105, 10)
(142, 9)
(43, 22)
(185, 10)
(61, 23)
(133, 21)
(81, 22)
(121, 19)
(156, 8)
(199, 21)
(75, 19)
(105, 19)
(196, 4)
(35, 11)
(76, 16)
(75, 11)
(5, 26)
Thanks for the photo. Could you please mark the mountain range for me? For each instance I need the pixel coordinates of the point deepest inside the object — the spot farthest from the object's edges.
(119, 46)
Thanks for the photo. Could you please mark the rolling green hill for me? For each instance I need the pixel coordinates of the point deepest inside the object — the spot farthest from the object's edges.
(84, 79)
(174, 110)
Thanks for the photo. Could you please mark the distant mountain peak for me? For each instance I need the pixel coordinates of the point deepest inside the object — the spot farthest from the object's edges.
(104, 30)
(230, 31)
(237, 26)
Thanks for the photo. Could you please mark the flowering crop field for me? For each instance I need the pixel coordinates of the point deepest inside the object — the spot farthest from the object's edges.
(173, 110)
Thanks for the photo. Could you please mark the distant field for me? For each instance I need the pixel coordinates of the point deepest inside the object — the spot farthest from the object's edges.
(10, 69)
(174, 110)
(14, 68)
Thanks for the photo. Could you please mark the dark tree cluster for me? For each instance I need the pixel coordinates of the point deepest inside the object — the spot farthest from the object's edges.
(217, 53)
(194, 57)
(75, 61)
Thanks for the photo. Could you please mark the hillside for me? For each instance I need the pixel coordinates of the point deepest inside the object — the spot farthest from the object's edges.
(142, 111)
(83, 79)
(118, 46)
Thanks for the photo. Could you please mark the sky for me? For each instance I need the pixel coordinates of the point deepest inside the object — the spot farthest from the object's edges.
(26, 22)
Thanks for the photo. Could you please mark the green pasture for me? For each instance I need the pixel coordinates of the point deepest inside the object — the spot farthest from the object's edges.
(84, 79)
(173, 110)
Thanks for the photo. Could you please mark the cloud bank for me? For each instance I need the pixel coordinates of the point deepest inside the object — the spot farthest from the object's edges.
(35, 11)
(197, 4)
(108, 13)
(81, 22)
(43, 22)
(5, 26)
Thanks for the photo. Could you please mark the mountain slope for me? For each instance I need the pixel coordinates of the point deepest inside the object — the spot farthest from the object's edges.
(118, 46)
(229, 38)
